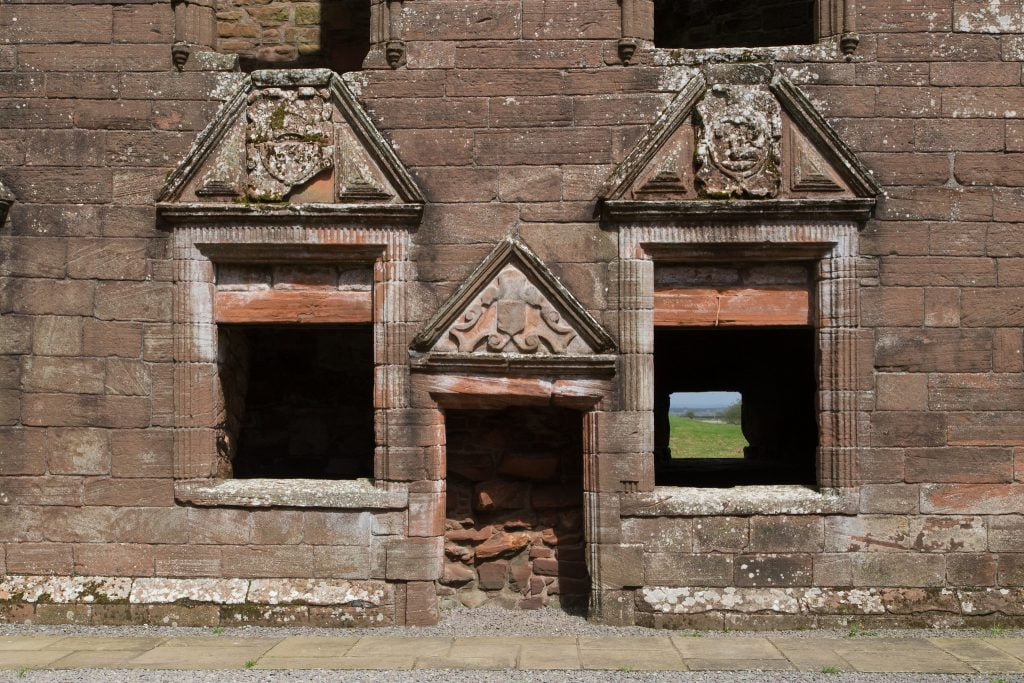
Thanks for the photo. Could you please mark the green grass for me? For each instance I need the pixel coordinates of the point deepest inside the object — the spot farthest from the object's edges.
(691, 438)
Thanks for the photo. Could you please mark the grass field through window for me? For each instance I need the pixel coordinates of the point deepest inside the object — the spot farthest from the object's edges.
(692, 438)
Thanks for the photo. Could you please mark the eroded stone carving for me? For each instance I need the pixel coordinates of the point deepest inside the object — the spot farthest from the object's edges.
(511, 315)
(738, 133)
(668, 179)
(289, 139)
(809, 170)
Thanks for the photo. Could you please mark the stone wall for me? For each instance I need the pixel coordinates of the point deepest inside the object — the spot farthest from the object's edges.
(510, 115)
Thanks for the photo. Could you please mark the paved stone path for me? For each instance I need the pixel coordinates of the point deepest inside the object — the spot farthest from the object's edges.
(676, 652)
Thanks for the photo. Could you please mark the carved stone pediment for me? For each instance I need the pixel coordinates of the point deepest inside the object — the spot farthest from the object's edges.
(287, 141)
(738, 141)
(513, 305)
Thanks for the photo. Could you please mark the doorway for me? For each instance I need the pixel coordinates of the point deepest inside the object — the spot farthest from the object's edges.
(514, 533)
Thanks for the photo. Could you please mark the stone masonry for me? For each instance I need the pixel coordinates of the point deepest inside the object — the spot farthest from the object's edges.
(526, 190)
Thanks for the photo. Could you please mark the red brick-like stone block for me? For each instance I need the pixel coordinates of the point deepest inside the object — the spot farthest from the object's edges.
(414, 559)
(973, 498)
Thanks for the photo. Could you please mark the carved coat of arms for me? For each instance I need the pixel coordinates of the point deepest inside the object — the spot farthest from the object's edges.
(738, 134)
(289, 139)
(511, 316)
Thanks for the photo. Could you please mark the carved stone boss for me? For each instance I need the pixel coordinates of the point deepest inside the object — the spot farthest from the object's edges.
(739, 129)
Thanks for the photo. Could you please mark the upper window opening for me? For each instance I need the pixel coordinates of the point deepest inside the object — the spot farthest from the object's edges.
(697, 24)
(706, 424)
(324, 33)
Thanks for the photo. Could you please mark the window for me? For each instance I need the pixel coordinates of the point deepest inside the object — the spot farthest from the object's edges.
(327, 33)
(706, 424)
(298, 401)
(736, 337)
(697, 24)
(774, 372)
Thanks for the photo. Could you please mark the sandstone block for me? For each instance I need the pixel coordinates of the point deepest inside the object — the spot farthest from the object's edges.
(413, 559)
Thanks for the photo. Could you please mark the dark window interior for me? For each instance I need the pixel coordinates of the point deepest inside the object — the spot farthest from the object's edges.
(773, 369)
(299, 400)
(696, 24)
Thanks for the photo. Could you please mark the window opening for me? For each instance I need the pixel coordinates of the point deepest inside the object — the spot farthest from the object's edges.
(330, 33)
(298, 400)
(706, 424)
(696, 24)
(772, 369)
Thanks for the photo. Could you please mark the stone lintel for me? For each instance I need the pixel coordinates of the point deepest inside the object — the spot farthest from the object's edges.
(601, 365)
(201, 212)
(359, 494)
(682, 501)
(487, 391)
(625, 210)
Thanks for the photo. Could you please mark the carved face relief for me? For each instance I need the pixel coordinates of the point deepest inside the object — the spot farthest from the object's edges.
(511, 316)
(289, 139)
(738, 133)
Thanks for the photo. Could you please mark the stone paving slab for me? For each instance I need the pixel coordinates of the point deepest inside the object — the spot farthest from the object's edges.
(27, 642)
(673, 652)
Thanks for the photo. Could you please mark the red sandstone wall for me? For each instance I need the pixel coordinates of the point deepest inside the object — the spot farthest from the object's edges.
(511, 113)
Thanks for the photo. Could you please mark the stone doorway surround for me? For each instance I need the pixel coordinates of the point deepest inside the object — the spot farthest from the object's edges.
(513, 335)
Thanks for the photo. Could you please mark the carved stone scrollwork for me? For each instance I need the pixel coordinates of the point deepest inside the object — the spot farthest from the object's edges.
(739, 129)
(511, 316)
(289, 139)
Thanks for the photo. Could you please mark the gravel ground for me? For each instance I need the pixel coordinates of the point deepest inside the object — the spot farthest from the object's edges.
(489, 622)
(441, 676)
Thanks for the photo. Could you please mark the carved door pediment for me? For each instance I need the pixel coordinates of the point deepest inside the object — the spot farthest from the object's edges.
(512, 307)
(738, 141)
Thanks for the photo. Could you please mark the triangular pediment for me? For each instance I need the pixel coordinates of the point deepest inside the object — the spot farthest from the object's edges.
(6, 199)
(737, 139)
(287, 138)
(513, 305)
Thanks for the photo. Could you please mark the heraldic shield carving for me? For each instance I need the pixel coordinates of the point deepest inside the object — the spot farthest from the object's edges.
(512, 305)
(289, 139)
(511, 315)
(738, 134)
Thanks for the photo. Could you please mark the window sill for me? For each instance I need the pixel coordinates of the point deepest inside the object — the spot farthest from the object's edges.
(826, 50)
(681, 501)
(358, 494)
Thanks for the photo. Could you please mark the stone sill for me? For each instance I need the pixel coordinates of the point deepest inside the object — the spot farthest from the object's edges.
(825, 50)
(682, 501)
(358, 494)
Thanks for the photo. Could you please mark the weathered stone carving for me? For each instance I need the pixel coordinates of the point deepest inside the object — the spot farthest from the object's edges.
(738, 133)
(510, 316)
(809, 170)
(290, 139)
(512, 305)
(667, 180)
